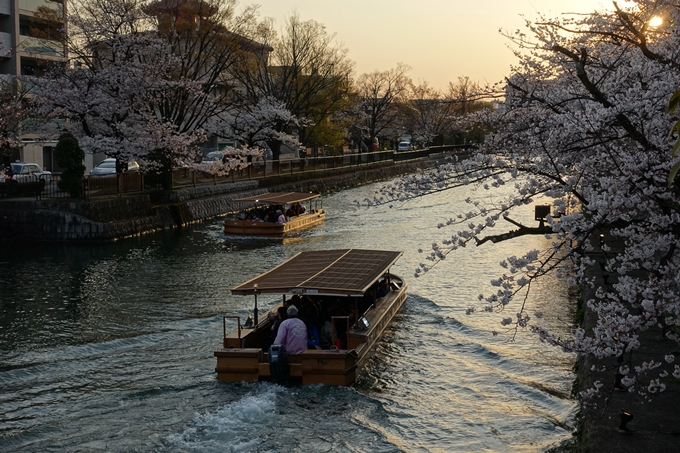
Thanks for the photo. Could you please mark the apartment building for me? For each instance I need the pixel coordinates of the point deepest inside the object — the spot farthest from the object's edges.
(29, 42)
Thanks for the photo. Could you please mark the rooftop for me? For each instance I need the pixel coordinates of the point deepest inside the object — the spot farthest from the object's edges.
(347, 272)
(278, 198)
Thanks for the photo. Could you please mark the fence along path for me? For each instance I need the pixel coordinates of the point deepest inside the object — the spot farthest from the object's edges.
(134, 182)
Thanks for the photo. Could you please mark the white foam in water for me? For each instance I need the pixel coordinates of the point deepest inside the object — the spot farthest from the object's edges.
(232, 428)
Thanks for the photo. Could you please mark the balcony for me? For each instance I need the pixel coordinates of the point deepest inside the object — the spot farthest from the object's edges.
(33, 5)
(40, 47)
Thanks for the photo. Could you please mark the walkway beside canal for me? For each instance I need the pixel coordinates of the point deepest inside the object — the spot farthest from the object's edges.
(118, 217)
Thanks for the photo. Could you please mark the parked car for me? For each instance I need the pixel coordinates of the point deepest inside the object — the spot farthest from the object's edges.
(107, 167)
(404, 146)
(212, 157)
(28, 172)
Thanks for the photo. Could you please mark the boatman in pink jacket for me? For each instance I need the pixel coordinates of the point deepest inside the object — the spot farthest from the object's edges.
(292, 333)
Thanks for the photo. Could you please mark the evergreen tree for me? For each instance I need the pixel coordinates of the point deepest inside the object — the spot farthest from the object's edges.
(70, 157)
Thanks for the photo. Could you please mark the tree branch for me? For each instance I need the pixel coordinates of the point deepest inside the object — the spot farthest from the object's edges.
(522, 231)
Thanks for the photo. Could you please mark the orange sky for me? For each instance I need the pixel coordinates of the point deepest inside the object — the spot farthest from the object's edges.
(440, 39)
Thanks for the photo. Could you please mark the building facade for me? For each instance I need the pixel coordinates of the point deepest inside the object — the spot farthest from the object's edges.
(30, 40)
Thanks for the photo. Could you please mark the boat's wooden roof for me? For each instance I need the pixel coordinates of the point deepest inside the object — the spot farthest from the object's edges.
(347, 272)
(278, 198)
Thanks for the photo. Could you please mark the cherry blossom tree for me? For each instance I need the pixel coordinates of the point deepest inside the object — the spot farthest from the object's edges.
(255, 125)
(673, 104)
(13, 110)
(147, 79)
(583, 124)
(251, 127)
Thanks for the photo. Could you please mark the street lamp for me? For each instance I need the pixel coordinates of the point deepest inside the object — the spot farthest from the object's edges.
(255, 310)
(625, 418)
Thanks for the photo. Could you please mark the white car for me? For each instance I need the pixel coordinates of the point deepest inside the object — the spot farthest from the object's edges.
(213, 157)
(25, 172)
(404, 146)
(107, 167)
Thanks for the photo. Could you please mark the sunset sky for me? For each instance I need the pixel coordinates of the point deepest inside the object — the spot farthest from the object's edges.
(439, 39)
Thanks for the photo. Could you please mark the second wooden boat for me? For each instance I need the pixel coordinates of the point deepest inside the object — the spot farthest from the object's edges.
(260, 219)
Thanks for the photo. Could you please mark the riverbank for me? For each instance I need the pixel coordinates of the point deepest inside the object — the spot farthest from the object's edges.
(655, 426)
(120, 217)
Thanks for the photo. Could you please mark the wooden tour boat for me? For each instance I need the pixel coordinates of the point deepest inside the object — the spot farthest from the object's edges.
(244, 226)
(352, 290)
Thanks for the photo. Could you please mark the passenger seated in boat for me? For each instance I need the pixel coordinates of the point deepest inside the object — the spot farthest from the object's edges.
(297, 301)
(341, 336)
(292, 333)
(383, 290)
(368, 299)
(326, 337)
(290, 212)
(313, 341)
(276, 319)
(298, 209)
(281, 218)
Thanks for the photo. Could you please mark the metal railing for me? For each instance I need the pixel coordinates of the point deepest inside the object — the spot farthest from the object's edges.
(263, 169)
(134, 182)
(116, 184)
(93, 187)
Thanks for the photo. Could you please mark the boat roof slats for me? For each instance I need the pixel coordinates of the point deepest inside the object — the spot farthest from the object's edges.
(278, 198)
(347, 272)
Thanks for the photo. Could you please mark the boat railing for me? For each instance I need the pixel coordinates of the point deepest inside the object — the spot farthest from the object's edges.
(333, 319)
(224, 328)
(370, 307)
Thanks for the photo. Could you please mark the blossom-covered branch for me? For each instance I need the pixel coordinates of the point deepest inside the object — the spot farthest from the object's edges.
(584, 123)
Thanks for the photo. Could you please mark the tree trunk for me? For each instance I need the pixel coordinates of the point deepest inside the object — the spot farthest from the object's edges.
(275, 146)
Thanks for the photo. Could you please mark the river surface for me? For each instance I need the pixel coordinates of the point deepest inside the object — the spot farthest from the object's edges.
(109, 347)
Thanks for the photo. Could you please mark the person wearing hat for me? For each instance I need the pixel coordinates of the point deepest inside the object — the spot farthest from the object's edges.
(292, 333)
(281, 217)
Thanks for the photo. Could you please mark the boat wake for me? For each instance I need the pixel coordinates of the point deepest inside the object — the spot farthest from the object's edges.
(235, 427)
(267, 418)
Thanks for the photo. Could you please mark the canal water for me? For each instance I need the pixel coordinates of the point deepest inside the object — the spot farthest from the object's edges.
(108, 348)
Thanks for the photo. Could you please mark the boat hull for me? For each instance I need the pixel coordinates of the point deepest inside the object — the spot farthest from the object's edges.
(237, 227)
(241, 360)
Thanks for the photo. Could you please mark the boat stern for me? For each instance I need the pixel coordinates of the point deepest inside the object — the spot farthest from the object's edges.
(310, 367)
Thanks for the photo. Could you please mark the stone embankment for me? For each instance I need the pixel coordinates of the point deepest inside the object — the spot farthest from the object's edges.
(655, 426)
(120, 217)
